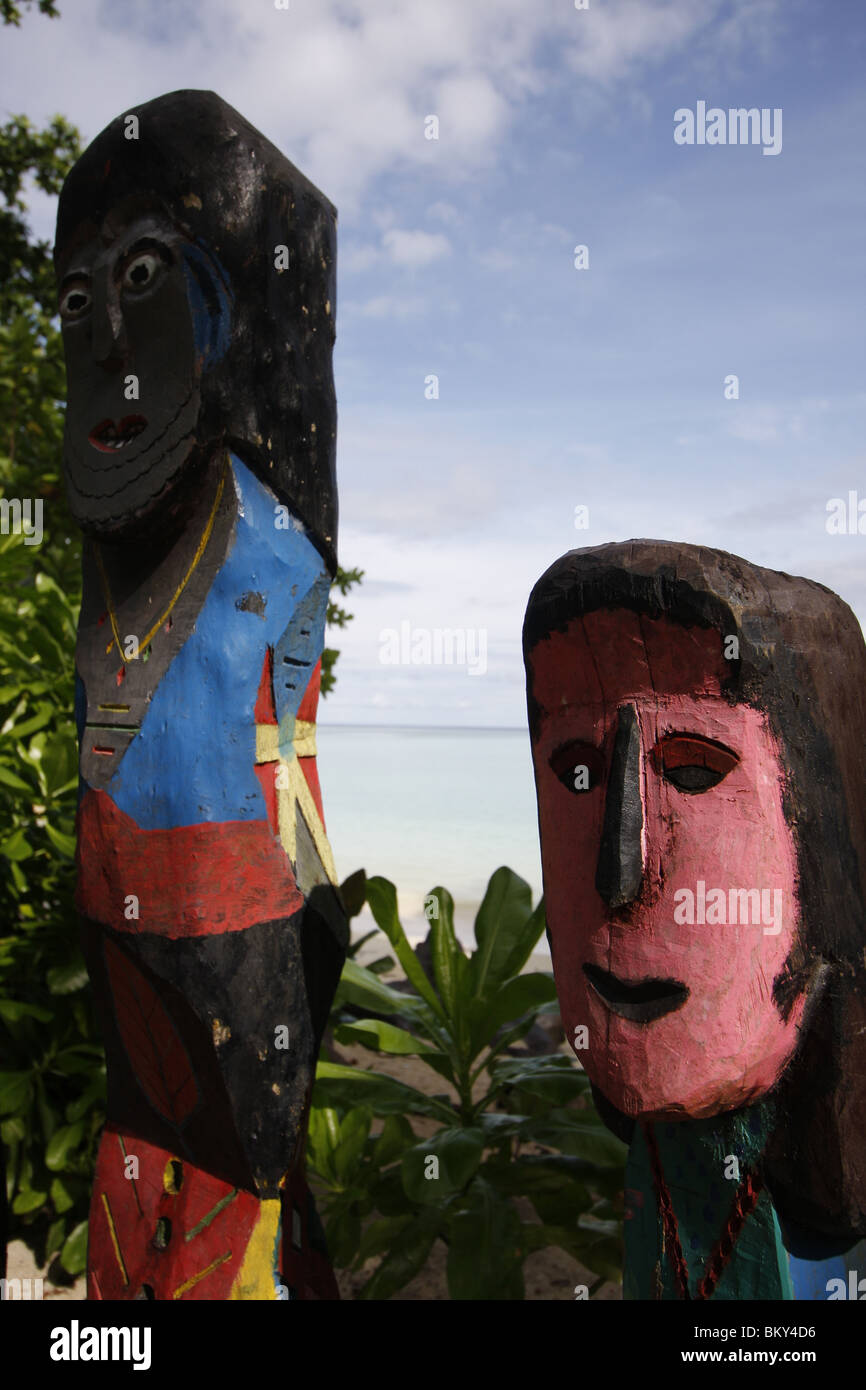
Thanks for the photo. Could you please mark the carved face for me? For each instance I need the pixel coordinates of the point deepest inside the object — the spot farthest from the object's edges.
(669, 868)
(133, 370)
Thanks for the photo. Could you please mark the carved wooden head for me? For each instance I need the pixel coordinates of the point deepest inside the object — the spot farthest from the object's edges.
(699, 742)
(196, 272)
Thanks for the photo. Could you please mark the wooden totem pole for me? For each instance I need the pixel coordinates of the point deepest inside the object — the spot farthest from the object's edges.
(698, 728)
(196, 271)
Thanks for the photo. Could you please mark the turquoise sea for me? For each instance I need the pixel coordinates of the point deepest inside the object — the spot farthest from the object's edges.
(429, 807)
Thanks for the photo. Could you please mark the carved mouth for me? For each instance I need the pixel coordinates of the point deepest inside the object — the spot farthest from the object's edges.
(108, 437)
(642, 1001)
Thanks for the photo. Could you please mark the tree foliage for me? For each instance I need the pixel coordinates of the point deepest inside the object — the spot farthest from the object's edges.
(10, 10)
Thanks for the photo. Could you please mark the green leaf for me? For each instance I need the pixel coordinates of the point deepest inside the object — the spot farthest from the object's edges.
(16, 847)
(525, 1071)
(526, 941)
(501, 930)
(13, 1131)
(382, 965)
(28, 1201)
(67, 979)
(408, 1254)
(9, 779)
(485, 1248)
(61, 1195)
(449, 963)
(62, 1142)
(15, 1009)
(397, 1135)
(55, 1238)
(582, 1138)
(381, 1037)
(14, 1091)
(557, 1192)
(515, 998)
(382, 897)
(93, 1097)
(365, 990)
(380, 1236)
(442, 1064)
(346, 1087)
(353, 1133)
(436, 1168)
(73, 1061)
(555, 1079)
(353, 892)
(323, 1133)
(498, 1126)
(73, 1256)
(64, 843)
(506, 1040)
(343, 1233)
(29, 726)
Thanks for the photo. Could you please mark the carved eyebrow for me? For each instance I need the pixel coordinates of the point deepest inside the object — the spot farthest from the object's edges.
(74, 275)
(146, 243)
(692, 763)
(678, 748)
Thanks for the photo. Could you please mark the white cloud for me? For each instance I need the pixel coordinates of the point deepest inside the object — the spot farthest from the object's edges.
(390, 306)
(415, 248)
(344, 85)
(359, 257)
(616, 37)
(442, 211)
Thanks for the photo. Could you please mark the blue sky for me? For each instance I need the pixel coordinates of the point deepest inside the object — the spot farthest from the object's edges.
(558, 387)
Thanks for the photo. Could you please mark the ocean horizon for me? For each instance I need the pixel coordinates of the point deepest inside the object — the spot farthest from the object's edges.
(427, 807)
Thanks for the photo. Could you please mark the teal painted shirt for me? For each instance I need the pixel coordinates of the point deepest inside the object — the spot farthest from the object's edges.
(694, 1157)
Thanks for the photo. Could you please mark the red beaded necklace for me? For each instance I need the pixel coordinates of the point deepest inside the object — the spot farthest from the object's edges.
(744, 1203)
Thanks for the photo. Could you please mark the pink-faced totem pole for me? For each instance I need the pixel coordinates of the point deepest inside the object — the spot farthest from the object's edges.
(698, 728)
(196, 273)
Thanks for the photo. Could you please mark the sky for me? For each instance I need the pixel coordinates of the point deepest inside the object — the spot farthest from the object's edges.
(604, 387)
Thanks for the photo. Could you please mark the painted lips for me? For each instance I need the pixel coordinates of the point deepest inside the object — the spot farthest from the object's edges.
(642, 1001)
(109, 436)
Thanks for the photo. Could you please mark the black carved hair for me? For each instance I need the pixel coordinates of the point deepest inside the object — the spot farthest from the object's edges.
(802, 661)
(270, 397)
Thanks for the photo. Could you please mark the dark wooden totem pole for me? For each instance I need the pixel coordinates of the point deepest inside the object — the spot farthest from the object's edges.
(699, 740)
(196, 271)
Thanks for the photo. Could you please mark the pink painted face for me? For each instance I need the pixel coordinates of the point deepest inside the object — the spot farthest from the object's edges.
(669, 869)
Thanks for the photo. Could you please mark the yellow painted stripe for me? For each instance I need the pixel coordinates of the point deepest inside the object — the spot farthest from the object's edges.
(113, 1233)
(268, 741)
(257, 1277)
(298, 793)
(305, 739)
(286, 814)
(310, 812)
(197, 1278)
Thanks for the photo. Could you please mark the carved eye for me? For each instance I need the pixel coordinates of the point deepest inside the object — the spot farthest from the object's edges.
(75, 300)
(693, 764)
(141, 271)
(579, 766)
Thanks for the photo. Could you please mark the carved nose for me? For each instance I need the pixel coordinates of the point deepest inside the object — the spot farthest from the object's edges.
(109, 339)
(619, 872)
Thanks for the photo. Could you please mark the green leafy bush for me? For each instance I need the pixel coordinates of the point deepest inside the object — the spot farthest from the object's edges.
(510, 1128)
(52, 1083)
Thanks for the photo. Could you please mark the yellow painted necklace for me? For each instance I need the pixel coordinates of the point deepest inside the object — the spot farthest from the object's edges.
(202, 546)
